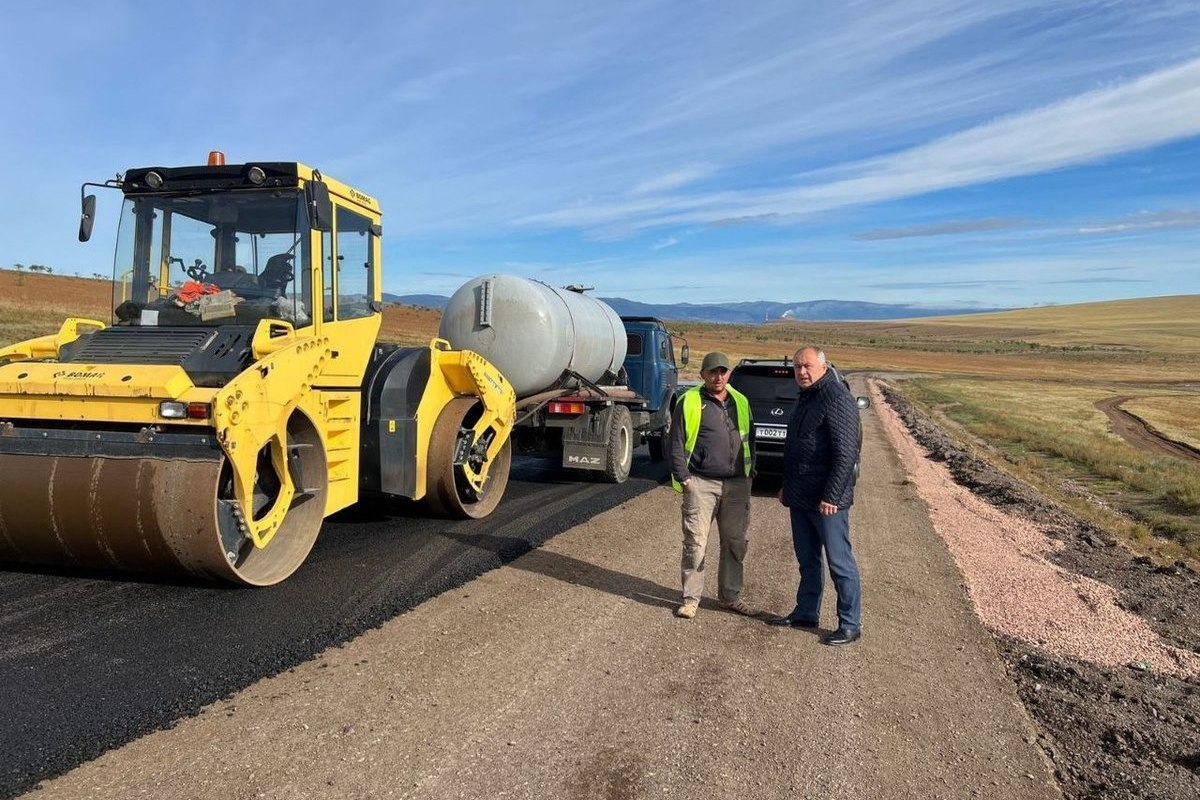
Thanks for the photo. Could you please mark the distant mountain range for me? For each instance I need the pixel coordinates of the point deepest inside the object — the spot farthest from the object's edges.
(744, 313)
(424, 300)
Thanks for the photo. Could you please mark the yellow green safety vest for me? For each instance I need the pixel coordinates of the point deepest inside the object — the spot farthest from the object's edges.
(691, 425)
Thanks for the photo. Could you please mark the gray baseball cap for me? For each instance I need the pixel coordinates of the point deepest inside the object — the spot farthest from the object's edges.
(714, 360)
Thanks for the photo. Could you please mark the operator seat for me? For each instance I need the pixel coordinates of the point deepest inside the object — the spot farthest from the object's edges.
(277, 274)
(232, 276)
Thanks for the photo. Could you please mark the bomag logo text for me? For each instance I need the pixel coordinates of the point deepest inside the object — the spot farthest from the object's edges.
(77, 375)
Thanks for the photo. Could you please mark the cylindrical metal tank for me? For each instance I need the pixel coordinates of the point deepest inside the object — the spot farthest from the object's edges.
(533, 333)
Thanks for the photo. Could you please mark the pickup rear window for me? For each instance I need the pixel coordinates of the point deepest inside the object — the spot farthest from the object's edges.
(765, 383)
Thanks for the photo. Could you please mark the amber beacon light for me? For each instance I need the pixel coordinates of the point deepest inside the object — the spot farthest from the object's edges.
(216, 158)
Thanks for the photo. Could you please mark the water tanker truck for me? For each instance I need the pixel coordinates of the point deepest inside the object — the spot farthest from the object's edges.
(238, 395)
(590, 385)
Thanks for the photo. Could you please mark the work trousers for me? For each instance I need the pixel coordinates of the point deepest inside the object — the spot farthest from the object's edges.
(726, 500)
(814, 534)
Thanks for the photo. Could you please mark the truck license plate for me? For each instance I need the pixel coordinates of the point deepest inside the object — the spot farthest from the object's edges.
(771, 433)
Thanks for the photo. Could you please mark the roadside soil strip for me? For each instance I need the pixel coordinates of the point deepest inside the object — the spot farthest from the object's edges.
(565, 675)
(1016, 590)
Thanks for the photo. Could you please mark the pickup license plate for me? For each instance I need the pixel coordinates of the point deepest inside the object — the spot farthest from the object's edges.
(771, 433)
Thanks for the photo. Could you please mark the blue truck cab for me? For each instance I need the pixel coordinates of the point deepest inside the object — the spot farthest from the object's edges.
(651, 372)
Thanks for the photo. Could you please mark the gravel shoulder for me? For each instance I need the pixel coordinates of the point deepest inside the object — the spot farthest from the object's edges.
(1103, 645)
(565, 675)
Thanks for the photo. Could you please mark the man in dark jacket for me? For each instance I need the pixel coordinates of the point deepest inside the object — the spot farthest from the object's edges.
(711, 451)
(818, 489)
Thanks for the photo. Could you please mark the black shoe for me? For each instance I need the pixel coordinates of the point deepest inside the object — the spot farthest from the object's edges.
(793, 622)
(842, 636)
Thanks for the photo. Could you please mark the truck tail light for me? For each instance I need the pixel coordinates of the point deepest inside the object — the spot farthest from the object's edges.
(566, 407)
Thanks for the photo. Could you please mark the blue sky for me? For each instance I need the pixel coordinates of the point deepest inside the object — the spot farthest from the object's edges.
(927, 152)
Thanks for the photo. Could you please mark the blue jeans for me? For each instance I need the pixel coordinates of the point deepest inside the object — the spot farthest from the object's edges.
(812, 535)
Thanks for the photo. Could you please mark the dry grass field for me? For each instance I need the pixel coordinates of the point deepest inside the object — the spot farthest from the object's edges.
(1053, 436)
(1024, 385)
(35, 304)
(1149, 340)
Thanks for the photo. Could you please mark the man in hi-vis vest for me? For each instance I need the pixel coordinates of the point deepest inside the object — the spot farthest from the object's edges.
(712, 458)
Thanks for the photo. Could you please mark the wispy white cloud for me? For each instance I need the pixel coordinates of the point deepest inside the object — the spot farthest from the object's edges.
(1091, 281)
(672, 180)
(1152, 110)
(1145, 221)
(944, 284)
(944, 228)
(663, 244)
(423, 88)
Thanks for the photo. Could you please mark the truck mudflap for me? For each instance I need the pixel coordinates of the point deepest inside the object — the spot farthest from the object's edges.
(601, 443)
(578, 455)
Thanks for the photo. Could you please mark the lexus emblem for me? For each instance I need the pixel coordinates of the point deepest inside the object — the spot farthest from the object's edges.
(776, 412)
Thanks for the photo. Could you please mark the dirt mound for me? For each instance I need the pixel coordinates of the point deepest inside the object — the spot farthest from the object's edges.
(1125, 732)
(1111, 732)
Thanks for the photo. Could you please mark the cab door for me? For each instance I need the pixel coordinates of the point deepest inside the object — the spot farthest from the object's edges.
(350, 255)
(666, 367)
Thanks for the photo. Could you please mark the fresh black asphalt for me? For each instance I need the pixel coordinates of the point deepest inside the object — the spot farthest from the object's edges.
(89, 662)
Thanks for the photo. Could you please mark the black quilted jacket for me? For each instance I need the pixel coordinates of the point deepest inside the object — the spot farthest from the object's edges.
(822, 446)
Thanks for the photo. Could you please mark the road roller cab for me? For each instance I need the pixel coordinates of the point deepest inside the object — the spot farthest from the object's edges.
(225, 409)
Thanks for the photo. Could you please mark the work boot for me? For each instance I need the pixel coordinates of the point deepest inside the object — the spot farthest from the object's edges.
(688, 609)
(739, 606)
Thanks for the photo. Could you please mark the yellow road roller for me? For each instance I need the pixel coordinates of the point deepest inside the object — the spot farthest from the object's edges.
(238, 395)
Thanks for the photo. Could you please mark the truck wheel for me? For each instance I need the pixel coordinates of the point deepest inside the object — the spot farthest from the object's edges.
(618, 456)
(657, 445)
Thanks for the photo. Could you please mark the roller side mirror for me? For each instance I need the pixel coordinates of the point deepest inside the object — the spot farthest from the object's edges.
(87, 217)
(320, 207)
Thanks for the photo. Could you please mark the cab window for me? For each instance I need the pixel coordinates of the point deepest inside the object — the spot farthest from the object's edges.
(354, 257)
(633, 344)
(212, 259)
